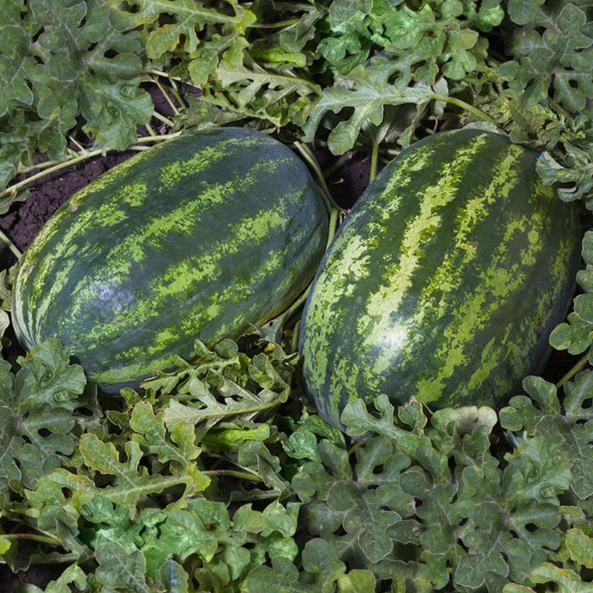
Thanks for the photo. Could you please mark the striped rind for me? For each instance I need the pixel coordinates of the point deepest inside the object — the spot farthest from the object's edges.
(444, 282)
(202, 237)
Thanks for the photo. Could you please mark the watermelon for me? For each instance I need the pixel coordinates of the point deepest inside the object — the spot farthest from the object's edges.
(444, 282)
(202, 237)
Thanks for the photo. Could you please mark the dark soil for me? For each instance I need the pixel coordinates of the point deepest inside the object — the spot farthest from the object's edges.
(349, 182)
(23, 222)
(36, 575)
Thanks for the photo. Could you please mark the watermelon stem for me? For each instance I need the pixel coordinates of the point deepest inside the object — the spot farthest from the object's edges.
(49, 167)
(333, 219)
(337, 165)
(294, 344)
(277, 25)
(309, 157)
(357, 445)
(573, 371)
(459, 103)
(234, 473)
(166, 95)
(560, 109)
(76, 143)
(177, 95)
(11, 245)
(43, 165)
(297, 303)
(374, 159)
(167, 75)
(44, 539)
(162, 118)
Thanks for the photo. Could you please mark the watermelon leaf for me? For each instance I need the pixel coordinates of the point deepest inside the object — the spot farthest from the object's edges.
(320, 563)
(575, 336)
(119, 568)
(565, 580)
(255, 456)
(133, 482)
(283, 577)
(191, 24)
(580, 547)
(356, 502)
(565, 426)
(557, 57)
(151, 434)
(252, 91)
(39, 412)
(366, 91)
(473, 521)
(223, 384)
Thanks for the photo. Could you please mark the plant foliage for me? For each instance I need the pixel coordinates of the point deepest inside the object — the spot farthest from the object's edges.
(307, 68)
(134, 496)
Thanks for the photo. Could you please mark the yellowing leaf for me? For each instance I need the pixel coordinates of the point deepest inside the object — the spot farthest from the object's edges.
(580, 547)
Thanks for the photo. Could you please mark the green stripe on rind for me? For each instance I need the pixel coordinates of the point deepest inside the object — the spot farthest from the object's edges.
(444, 282)
(203, 237)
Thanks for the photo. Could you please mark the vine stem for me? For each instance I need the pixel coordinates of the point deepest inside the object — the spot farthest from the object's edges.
(44, 539)
(63, 559)
(56, 166)
(573, 371)
(45, 172)
(78, 145)
(337, 165)
(374, 160)
(333, 220)
(176, 94)
(357, 445)
(166, 75)
(559, 108)
(297, 303)
(164, 119)
(42, 165)
(294, 344)
(166, 95)
(312, 162)
(159, 137)
(233, 473)
(250, 410)
(11, 245)
(459, 103)
(279, 24)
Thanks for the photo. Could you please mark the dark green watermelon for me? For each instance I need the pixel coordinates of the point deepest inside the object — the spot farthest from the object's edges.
(202, 237)
(444, 282)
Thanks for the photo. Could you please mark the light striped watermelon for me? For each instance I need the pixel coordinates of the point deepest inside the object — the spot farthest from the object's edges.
(445, 280)
(202, 237)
